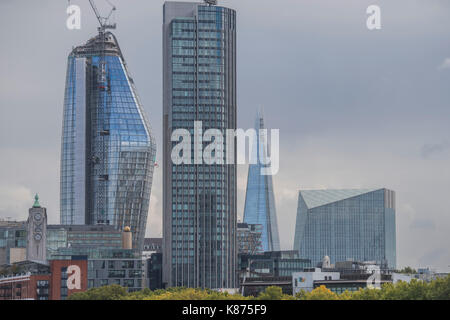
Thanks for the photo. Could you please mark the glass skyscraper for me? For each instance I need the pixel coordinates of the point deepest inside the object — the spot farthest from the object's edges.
(259, 198)
(107, 151)
(199, 213)
(347, 224)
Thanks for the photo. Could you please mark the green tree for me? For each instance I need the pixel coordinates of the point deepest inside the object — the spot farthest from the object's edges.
(439, 289)
(192, 294)
(111, 292)
(274, 293)
(407, 270)
(319, 293)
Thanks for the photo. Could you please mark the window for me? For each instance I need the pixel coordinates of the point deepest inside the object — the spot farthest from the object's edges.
(116, 274)
(128, 283)
(128, 264)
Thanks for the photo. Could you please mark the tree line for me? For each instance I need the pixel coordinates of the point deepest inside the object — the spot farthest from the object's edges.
(438, 289)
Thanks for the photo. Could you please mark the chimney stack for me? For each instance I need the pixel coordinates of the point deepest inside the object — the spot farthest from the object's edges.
(127, 242)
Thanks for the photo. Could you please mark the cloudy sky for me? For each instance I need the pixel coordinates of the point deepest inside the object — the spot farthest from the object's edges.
(355, 108)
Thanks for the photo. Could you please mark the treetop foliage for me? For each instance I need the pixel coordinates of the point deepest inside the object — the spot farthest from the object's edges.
(438, 289)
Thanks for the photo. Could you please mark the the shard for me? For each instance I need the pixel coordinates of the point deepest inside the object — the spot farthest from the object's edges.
(259, 198)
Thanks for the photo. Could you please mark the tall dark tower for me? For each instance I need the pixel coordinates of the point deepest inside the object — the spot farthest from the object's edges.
(199, 212)
(107, 150)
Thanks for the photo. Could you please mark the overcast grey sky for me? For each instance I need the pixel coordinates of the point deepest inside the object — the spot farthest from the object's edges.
(355, 108)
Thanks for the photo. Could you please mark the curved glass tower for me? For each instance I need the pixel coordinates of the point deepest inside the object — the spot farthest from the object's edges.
(107, 151)
(259, 198)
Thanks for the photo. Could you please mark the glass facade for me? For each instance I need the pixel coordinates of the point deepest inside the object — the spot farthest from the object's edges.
(356, 225)
(259, 198)
(12, 235)
(56, 238)
(125, 272)
(199, 200)
(108, 151)
(82, 238)
(272, 264)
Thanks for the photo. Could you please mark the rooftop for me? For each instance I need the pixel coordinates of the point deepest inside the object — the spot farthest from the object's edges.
(317, 198)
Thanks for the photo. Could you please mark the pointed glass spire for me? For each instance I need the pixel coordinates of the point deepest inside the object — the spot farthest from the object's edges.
(259, 197)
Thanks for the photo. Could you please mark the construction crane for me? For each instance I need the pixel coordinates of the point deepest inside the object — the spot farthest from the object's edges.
(103, 21)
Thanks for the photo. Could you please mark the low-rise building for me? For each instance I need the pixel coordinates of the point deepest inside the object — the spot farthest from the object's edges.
(307, 280)
(259, 271)
(28, 280)
(345, 276)
(154, 271)
(84, 237)
(254, 286)
(12, 235)
(271, 264)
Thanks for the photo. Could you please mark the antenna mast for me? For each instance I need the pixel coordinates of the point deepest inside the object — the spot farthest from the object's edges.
(211, 2)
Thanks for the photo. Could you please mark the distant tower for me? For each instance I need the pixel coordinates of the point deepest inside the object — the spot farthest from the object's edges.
(36, 232)
(259, 198)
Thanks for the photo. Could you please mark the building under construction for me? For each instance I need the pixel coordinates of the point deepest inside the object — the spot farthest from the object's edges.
(107, 150)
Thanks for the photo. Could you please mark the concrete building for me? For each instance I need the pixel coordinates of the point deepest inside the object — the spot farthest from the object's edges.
(13, 235)
(306, 280)
(28, 280)
(346, 276)
(153, 245)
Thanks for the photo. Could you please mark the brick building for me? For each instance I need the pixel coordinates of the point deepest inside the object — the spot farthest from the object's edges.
(35, 281)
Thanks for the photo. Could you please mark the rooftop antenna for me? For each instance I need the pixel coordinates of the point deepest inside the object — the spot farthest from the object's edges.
(103, 21)
(211, 2)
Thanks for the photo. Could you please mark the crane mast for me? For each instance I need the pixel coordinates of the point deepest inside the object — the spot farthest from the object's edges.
(103, 21)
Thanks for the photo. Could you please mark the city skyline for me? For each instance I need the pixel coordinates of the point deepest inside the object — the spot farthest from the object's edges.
(385, 125)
